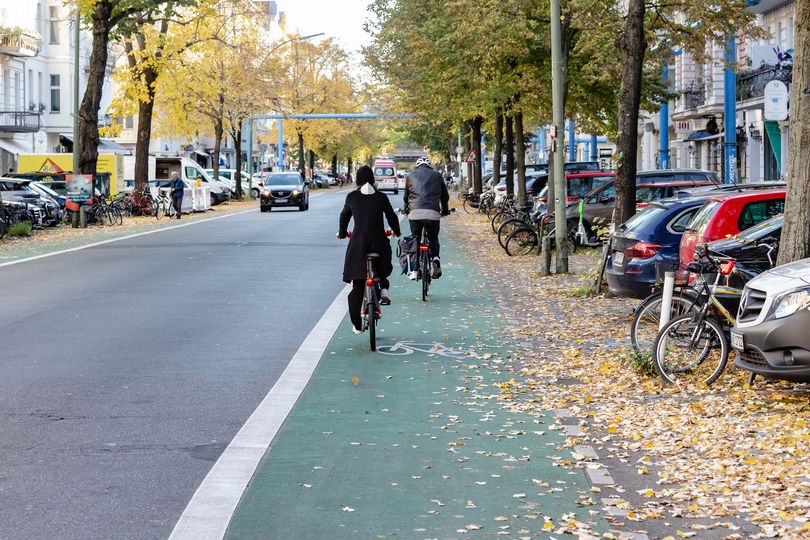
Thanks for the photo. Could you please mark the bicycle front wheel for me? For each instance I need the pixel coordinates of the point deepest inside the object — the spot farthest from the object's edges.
(690, 348)
(521, 242)
(508, 227)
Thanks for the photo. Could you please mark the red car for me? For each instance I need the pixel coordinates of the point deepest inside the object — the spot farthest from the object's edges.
(727, 215)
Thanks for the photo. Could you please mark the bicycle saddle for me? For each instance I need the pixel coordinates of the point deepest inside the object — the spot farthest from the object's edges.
(372, 256)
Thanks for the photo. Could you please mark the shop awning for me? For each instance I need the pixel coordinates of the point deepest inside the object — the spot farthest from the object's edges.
(104, 145)
(703, 135)
(16, 146)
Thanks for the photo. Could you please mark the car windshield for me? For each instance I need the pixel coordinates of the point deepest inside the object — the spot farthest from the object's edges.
(287, 179)
(579, 187)
(644, 219)
(46, 189)
(769, 227)
(701, 219)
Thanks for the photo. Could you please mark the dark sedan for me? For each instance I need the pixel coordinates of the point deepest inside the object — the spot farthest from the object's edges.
(284, 189)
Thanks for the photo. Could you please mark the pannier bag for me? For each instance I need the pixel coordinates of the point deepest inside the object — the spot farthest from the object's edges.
(407, 251)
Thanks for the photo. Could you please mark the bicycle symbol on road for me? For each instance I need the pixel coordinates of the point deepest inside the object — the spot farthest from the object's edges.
(409, 347)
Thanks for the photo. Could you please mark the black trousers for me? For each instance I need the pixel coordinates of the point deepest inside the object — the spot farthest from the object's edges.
(432, 228)
(359, 291)
(177, 202)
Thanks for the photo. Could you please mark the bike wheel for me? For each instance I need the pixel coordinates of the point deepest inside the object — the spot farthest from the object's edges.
(469, 206)
(116, 213)
(171, 211)
(508, 227)
(371, 321)
(521, 242)
(425, 276)
(160, 210)
(499, 218)
(690, 348)
(647, 319)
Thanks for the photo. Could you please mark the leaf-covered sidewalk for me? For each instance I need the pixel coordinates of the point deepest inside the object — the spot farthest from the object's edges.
(719, 462)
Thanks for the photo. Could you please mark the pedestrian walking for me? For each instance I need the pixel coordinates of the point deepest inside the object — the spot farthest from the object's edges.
(367, 207)
(177, 189)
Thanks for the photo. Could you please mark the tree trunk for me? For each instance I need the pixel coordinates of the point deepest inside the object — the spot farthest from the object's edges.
(88, 112)
(520, 159)
(218, 131)
(312, 162)
(143, 137)
(467, 147)
(302, 160)
(795, 241)
(510, 155)
(632, 45)
(349, 167)
(497, 147)
(334, 165)
(237, 145)
(476, 144)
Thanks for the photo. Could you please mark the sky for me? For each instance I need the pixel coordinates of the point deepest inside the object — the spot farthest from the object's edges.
(340, 19)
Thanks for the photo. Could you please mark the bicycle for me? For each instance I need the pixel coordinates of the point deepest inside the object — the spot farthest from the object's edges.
(164, 206)
(525, 240)
(695, 345)
(424, 270)
(371, 310)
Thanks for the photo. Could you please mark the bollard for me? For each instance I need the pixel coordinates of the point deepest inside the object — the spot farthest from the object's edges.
(666, 301)
(74, 219)
(82, 217)
(546, 250)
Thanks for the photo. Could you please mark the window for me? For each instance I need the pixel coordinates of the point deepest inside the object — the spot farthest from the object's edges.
(759, 211)
(40, 92)
(191, 173)
(678, 225)
(32, 104)
(129, 123)
(54, 24)
(56, 97)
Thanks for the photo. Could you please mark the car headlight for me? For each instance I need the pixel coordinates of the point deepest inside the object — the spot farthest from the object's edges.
(790, 303)
(266, 193)
(295, 193)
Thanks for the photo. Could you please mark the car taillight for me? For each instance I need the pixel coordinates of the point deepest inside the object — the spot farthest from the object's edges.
(641, 250)
(727, 267)
(370, 282)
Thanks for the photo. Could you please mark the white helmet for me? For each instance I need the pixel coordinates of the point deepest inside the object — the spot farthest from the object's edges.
(423, 161)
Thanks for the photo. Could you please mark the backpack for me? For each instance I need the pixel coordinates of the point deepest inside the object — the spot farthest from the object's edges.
(407, 251)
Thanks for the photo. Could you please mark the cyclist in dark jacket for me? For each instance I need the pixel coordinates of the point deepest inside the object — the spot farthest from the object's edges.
(426, 201)
(367, 207)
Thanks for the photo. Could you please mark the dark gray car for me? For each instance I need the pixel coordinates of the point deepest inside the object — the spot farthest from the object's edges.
(771, 334)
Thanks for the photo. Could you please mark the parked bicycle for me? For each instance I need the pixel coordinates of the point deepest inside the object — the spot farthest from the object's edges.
(695, 346)
(526, 240)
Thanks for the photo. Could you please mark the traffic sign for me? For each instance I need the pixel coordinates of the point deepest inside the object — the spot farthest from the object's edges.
(776, 101)
(459, 149)
(471, 157)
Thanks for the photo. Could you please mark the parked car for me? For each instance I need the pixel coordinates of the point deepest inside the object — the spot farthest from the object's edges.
(646, 242)
(19, 190)
(754, 250)
(284, 189)
(580, 184)
(771, 333)
(599, 204)
(728, 214)
(227, 177)
(45, 191)
(534, 185)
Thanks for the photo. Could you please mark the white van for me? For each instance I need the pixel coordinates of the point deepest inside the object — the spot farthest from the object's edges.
(385, 175)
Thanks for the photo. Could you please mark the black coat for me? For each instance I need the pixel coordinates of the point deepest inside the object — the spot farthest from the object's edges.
(368, 235)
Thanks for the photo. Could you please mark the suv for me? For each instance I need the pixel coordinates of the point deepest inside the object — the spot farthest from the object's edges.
(771, 334)
(728, 214)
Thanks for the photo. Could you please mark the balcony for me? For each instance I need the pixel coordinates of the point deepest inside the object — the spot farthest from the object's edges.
(19, 122)
(752, 85)
(18, 42)
(694, 95)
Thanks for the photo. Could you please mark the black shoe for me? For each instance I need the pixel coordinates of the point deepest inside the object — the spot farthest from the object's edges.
(437, 270)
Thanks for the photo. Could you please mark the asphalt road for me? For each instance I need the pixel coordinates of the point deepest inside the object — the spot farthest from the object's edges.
(125, 369)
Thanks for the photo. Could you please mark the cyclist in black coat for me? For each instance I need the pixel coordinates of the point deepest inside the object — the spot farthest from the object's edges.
(366, 206)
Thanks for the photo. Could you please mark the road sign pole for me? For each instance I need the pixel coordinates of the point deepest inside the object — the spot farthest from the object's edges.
(560, 191)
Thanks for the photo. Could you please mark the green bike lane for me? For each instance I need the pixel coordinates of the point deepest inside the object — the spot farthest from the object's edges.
(416, 444)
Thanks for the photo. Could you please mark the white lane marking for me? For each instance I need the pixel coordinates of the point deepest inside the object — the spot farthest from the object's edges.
(209, 512)
(129, 236)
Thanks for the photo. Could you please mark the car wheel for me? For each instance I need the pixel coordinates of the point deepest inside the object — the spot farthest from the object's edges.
(396, 192)
(213, 199)
(254, 193)
(263, 208)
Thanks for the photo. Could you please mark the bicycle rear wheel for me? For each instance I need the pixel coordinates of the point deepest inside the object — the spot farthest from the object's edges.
(521, 242)
(499, 218)
(469, 205)
(644, 328)
(508, 227)
(690, 348)
(425, 276)
(371, 317)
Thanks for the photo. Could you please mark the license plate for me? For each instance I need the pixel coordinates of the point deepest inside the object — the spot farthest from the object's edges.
(281, 200)
(618, 257)
(737, 341)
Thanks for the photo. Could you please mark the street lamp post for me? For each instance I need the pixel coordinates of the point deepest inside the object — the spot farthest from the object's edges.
(560, 191)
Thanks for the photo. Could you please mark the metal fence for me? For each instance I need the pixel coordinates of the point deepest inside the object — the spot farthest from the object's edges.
(19, 121)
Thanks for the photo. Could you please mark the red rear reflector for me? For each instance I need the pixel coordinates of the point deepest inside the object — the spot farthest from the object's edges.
(423, 248)
(727, 267)
(369, 282)
(641, 250)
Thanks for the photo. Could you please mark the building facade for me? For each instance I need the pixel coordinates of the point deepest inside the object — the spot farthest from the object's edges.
(696, 117)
